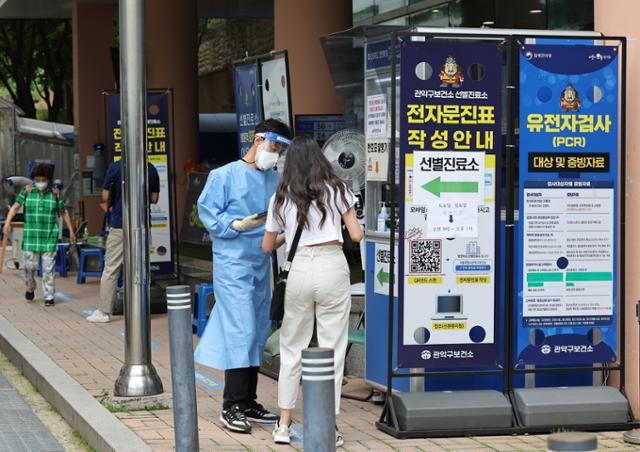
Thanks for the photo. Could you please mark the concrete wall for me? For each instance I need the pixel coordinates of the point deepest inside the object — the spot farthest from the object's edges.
(620, 18)
(298, 27)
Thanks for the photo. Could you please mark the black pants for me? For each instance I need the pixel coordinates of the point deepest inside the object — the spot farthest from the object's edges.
(240, 387)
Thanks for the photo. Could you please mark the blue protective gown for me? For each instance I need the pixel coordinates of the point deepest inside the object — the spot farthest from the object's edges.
(239, 323)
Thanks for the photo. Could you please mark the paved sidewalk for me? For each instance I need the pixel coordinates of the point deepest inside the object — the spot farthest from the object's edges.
(20, 428)
(92, 354)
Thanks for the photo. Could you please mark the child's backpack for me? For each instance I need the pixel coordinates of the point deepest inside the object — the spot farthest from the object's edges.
(56, 193)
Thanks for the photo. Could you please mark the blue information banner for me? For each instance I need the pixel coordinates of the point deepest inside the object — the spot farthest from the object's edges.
(162, 244)
(568, 202)
(248, 104)
(378, 55)
(321, 127)
(450, 121)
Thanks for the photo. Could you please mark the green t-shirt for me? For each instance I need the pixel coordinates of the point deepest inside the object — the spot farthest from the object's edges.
(40, 219)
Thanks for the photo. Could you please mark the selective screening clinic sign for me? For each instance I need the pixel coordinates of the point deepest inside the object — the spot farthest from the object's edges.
(248, 104)
(567, 241)
(449, 137)
(161, 245)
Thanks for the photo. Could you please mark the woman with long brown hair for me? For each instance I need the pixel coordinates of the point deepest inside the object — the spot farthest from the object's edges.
(311, 197)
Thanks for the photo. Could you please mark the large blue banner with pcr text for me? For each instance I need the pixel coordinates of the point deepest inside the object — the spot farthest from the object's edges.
(567, 239)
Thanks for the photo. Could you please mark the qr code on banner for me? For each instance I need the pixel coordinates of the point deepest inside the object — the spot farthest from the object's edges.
(425, 256)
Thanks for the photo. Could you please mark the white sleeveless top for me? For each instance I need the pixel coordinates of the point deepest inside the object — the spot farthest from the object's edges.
(313, 234)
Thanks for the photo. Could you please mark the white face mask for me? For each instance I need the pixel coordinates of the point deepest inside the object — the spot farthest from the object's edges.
(266, 160)
(42, 186)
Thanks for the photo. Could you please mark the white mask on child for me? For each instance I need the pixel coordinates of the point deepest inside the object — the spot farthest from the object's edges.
(42, 186)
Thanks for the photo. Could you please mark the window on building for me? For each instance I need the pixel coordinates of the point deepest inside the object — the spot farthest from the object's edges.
(532, 14)
(401, 21)
(384, 6)
(570, 14)
(471, 13)
(433, 17)
(522, 14)
(363, 10)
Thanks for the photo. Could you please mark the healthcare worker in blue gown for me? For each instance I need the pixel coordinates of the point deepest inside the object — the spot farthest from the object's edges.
(232, 207)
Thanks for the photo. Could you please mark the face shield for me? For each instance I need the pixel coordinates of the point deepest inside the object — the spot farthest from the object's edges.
(269, 150)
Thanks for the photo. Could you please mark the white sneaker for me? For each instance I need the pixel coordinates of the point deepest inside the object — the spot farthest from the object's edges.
(281, 434)
(98, 316)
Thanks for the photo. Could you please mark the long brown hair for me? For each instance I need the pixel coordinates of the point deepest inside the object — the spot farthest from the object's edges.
(307, 177)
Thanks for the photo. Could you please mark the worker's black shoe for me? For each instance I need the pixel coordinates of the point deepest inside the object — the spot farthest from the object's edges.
(235, 419)
(28, 296)
(50, 302)
(257, 413)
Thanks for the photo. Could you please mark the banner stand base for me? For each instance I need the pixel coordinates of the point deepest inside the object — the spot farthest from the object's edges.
(581, 404)
(406, 415)
(448, 410)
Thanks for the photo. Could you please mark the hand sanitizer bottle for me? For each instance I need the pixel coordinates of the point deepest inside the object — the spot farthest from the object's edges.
(383, 216)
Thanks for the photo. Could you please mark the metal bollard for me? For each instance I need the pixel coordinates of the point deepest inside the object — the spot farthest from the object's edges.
(572, 441)
(318, 399)
(183, 380)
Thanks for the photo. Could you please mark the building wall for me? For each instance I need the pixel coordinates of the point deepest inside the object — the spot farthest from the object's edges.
(172, 63)
(223, 42)
(299, 24)
(215, 92)
(93, 36)
(228, 40)
(620, 18)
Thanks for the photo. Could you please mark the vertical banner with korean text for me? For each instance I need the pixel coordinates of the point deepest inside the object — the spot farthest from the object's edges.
(248, 104)
(449, 152)
(161, 247)
(275, 90)
(567, 234)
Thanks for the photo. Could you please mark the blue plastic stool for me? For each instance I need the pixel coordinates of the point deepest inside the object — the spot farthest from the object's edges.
(200, 314)
(83, 253)
(61, 261)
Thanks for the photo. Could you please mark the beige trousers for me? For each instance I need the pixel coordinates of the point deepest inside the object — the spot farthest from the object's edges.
(318, 288)
(113, 259)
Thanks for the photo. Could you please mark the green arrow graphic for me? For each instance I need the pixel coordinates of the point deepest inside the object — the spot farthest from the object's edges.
(383, 277)
(436, 186)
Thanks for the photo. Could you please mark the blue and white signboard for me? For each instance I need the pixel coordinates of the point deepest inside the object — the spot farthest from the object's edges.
(248, 104)
(567, 240)
(449, 140)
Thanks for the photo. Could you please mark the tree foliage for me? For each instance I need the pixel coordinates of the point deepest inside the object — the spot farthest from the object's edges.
(36, 65)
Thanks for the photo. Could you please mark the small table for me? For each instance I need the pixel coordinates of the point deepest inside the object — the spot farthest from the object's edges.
(5, 239)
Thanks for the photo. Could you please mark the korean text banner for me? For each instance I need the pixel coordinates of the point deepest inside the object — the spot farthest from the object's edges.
(158, 154)
(449, 152)
(248, 104)
(275, 90)
(567, 242)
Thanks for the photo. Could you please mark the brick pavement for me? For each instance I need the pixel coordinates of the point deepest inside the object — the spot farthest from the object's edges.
(92, 354)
